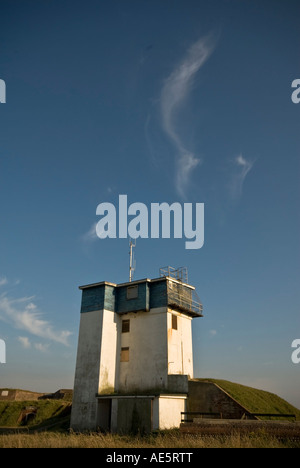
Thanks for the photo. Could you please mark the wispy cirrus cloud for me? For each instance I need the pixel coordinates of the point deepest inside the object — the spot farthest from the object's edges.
(24, 340)
(174, 94)
(43, 347)
(241, 167)
(23, 314)
(3, 280)
(90, 235)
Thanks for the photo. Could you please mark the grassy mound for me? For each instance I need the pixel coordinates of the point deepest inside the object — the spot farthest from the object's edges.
(48, 412)
(256, 401)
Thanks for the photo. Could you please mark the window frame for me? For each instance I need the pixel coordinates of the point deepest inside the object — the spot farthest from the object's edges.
(174, 322)
(134, 294)
(124, 354)
(126, 326)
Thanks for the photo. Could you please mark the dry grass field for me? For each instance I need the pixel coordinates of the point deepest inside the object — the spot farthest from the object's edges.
(170, 439)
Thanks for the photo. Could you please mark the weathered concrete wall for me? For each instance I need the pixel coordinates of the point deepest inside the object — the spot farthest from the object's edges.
(207, 397)
(110, 328)
(104, 414)
(143, 413)
(155, 350)
(132, 414)
(180, 352)
(18, 395)
(146, 368)
(87, 374)
(167, 411)
(178, 384)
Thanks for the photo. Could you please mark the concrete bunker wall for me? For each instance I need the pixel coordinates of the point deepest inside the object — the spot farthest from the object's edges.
(134, 415)
(141, 413)
(208, 397)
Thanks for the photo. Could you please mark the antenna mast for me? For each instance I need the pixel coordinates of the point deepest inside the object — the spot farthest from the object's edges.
(131, 259)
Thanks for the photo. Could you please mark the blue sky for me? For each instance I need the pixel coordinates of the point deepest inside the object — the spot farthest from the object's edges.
(163, 101)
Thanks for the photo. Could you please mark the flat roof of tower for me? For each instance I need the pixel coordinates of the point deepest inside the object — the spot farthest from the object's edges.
(131, 283)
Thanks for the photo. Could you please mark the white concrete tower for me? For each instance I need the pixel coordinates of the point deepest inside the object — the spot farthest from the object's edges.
(134, 348)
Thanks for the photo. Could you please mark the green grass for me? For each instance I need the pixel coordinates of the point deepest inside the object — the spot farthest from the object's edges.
(255, 400)
(48, 412)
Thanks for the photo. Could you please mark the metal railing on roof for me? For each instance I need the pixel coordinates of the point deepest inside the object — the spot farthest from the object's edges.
(181, 297)
(184, 298)
(180, 274)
